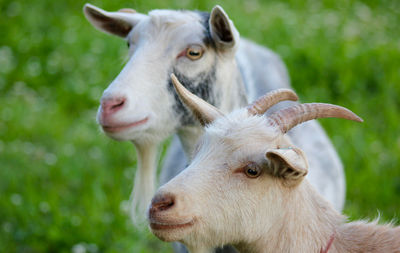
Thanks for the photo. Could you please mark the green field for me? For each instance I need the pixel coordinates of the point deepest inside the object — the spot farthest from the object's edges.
(64, 185)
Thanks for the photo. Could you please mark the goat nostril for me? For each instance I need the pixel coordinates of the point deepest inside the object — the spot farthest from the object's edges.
(162, 203)
(118, 105)
(112, 105)
(166, 206)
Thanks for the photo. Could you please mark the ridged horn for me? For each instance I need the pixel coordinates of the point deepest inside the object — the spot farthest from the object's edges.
(290, 117)
(261, 105)
(202, 110)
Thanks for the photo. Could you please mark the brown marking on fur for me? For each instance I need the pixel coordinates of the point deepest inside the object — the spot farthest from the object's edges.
(329, 244)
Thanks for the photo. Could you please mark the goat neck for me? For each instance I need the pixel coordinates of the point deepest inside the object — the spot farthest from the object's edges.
(228, 93)
(306, 224)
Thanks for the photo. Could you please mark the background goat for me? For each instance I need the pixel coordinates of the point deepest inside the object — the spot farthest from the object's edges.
(245, 187)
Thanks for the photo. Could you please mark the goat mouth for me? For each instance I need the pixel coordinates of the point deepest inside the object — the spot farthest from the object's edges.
(118, 128)
(169, 226)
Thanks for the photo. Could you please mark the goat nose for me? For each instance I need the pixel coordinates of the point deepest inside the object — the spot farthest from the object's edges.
(112, 105)
(162, 203)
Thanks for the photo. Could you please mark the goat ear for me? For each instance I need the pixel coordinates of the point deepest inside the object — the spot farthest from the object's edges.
(223, 32)
(288, 163)
(118, 23)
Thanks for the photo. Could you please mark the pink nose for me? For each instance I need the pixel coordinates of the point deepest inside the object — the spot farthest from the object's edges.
(112, 105)
(161, 203)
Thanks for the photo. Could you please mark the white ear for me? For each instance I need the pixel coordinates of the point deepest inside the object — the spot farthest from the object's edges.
(223, 32)
(288, 163)
(118, 23)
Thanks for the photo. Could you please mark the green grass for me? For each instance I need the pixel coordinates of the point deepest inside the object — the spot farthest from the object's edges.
(64, 185)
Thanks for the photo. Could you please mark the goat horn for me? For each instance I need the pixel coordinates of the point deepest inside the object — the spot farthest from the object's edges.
(203, 111)
(290, 117)
(127, 10)
(261, 105)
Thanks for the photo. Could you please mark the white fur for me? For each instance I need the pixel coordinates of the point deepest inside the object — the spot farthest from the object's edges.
(156, 39)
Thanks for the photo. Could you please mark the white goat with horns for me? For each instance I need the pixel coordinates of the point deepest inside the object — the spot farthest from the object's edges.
(205, 51)
(246, 186)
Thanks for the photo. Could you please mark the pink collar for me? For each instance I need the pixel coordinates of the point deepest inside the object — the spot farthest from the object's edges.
(329, 244)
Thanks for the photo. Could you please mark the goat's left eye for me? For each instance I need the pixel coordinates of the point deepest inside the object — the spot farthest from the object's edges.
(252, 170)
(194, 52)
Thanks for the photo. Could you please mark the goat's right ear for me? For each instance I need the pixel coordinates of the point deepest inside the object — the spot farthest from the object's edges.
(223, 32)
(118, 23)
(288, 163)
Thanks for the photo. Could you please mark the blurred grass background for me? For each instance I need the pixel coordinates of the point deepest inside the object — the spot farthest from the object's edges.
(64, 186)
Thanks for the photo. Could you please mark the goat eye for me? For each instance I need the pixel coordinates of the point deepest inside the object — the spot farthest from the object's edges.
(252, 170)
(129, 45)
(194, 52)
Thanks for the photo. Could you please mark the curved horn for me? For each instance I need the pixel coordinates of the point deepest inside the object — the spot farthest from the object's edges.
(203, 111)
(127, 10)
(290, 117)
(261, 105)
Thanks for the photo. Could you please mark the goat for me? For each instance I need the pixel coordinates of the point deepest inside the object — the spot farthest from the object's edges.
(246, 186)
(209, 57)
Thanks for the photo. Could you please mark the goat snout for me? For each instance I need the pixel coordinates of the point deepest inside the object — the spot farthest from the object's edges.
(162, 203)
(112, 105)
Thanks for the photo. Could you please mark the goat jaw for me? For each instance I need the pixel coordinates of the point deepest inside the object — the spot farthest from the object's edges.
(171, 230)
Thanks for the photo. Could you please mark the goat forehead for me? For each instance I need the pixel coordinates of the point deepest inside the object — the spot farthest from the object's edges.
(239, 124)
(238, 131)
(170, 30)
(172, 17)
(180, 23)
